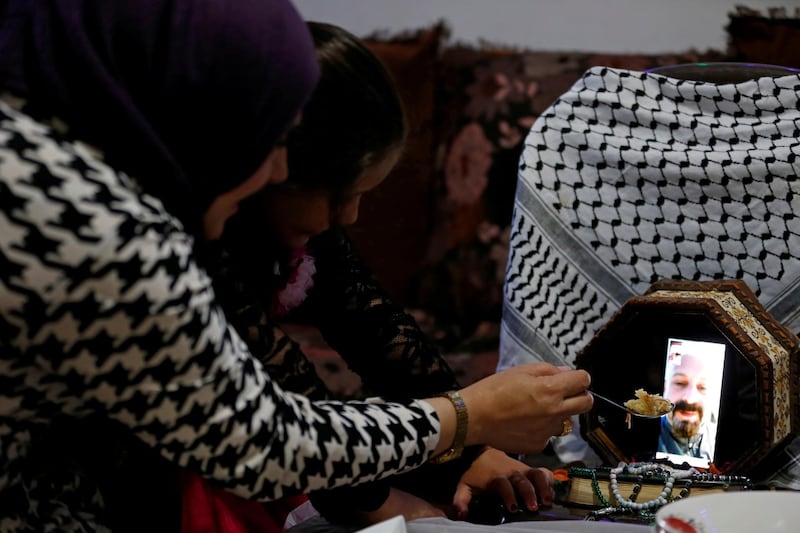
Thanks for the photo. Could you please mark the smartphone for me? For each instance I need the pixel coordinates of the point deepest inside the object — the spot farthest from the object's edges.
(693, 375)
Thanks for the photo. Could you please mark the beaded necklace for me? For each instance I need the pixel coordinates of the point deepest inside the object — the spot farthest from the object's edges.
(661, 499)
(644, 510)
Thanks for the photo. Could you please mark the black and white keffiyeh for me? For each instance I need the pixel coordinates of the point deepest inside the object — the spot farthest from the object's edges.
(632, 177)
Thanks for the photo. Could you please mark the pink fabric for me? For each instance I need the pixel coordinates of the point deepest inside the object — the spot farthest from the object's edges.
(297, 286)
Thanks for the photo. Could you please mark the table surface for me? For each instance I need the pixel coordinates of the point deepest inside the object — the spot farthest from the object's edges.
(556, 518)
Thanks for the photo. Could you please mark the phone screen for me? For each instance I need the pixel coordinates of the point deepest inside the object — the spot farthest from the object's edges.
(693, 383)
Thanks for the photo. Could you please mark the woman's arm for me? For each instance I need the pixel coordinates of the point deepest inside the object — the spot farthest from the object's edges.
(111, 314)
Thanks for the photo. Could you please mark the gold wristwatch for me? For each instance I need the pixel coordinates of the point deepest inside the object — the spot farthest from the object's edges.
(461, 429)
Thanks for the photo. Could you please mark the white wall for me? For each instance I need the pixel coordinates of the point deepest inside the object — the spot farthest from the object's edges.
(648, 26)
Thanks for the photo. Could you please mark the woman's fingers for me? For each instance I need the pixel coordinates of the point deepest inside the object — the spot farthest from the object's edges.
(574, 385)
(525, 491)
(542, 480)
(536, 369)
(461, 499)
(503, 487)
(572, 382)
(580, 403)
(532, 488)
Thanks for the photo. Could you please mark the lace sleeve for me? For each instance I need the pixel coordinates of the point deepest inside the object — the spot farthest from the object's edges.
(281, 356)
(386, 348)
(380, 342)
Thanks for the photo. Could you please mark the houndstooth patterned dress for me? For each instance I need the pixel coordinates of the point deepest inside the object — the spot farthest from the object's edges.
(632, 177)
(104, 310)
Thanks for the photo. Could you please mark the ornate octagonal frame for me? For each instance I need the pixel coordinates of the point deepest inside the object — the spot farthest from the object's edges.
(759, 411)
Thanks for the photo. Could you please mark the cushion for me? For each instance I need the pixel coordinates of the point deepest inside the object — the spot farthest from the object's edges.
(395, 219)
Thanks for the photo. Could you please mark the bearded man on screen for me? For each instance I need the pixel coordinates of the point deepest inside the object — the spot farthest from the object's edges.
(685, 430)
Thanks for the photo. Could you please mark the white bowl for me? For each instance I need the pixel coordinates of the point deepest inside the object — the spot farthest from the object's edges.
(732, 512)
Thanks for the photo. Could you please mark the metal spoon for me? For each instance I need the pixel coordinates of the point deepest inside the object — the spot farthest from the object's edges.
(631, 411)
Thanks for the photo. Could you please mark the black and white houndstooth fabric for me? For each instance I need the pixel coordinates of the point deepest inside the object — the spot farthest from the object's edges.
(103, 310)
(632, 177)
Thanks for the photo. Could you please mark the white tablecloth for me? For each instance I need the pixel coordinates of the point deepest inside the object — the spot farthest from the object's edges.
(442, 525)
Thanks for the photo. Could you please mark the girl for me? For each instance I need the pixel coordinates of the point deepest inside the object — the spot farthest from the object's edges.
(351, 136)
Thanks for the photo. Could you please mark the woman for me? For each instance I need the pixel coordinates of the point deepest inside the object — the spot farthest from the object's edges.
(351, 135)
(128, 129)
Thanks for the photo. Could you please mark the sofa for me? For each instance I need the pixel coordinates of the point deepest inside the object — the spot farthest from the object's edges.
(435, 233)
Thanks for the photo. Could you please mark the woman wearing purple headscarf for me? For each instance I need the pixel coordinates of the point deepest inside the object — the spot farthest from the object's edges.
(127, 131)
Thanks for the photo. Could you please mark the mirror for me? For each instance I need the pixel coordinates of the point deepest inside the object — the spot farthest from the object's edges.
(750, 406)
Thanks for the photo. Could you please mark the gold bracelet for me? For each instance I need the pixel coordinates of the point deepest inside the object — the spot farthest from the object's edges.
(461, 429)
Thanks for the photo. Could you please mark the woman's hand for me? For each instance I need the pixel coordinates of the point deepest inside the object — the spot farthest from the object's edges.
(519, 409)
(514, 481)
(402, 503)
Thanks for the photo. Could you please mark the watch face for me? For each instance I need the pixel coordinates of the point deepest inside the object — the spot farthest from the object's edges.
(449, 455)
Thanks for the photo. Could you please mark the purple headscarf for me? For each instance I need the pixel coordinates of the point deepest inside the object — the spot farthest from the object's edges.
(189, 96)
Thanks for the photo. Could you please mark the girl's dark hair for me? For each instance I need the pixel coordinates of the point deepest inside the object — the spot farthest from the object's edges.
(352, 120)
(354, 117)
